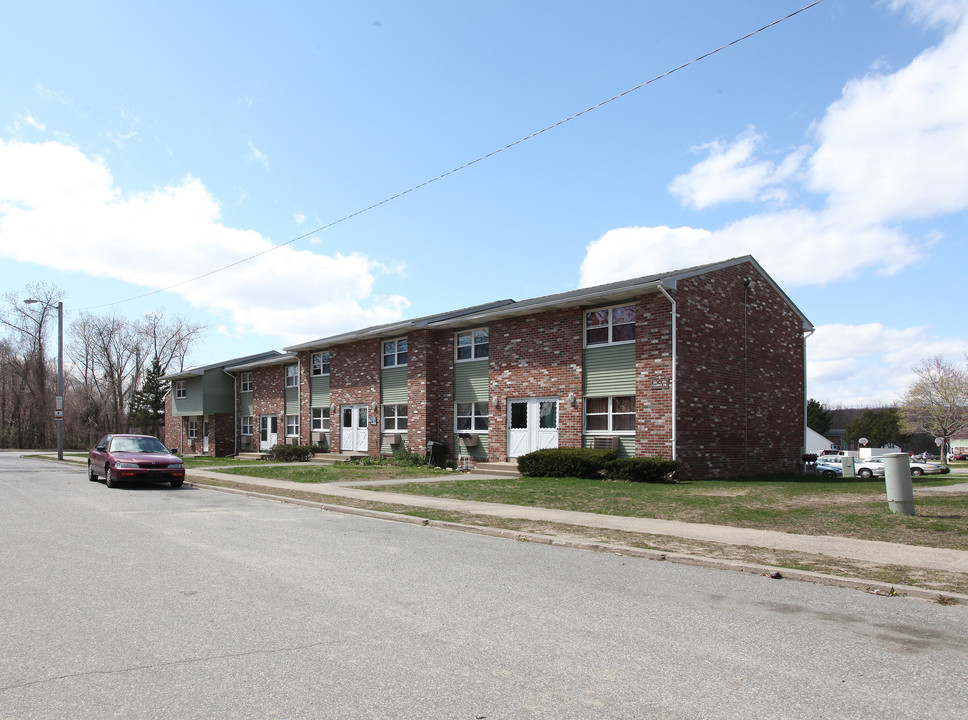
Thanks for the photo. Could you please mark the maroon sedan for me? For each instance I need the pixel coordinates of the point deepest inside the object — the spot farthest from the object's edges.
(134, 457)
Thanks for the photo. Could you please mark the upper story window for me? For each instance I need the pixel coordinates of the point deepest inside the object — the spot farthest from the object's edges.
(320, 365)
(245, 382)
(292, 376)
(180, 389)
(610, 325)
(395, 352)
(472, 345)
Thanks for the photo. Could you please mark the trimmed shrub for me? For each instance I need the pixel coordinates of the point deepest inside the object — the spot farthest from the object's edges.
(292, 453)
(642, 469)
(565, 462)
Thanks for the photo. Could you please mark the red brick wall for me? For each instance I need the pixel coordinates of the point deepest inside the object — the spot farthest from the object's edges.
(653, 376)
(355, 379)
(740, 377)
(536, 356)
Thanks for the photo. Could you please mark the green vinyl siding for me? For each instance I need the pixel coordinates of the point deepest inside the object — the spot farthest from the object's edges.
(218, 393)
(470, 381)
(292, 401)
(319, 389)
(610, 370)
(245, 404)
(192, 403)
(478, 453)
(626, 444)
(394, 386)
(387, 449)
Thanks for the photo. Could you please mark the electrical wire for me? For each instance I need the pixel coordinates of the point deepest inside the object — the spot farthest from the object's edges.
(466, 165)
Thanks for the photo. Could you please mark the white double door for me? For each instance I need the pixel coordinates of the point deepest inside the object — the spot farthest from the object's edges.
(532, 425)
(353, 433)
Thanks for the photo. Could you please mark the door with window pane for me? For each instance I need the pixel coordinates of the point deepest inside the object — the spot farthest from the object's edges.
(532, 425)
(353, 429)
(268, 432)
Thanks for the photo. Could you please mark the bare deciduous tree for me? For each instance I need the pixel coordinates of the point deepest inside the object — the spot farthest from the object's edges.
(937, 401)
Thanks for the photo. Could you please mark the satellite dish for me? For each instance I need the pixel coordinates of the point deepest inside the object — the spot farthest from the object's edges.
(863, 441)
(938, 441)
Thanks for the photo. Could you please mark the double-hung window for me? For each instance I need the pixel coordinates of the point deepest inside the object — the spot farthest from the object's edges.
(320, 364)
(192, 429)
(395, 418)
(245, 382)
(292, 426)
(471, 416)
(247, 425)
(180, 390)
(608, 326)
(610, 414)
(472, 344)
(395, 352)
(292, 376)
(320, 418)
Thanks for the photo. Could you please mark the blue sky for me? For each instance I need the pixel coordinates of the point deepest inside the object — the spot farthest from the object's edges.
(144, 146)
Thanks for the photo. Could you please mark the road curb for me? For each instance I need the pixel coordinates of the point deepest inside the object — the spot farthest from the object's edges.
(872, 587)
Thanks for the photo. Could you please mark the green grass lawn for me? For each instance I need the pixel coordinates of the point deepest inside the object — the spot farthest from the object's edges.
(796, 504)
(318, 473)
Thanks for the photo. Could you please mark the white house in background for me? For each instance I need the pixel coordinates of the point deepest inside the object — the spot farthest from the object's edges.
(817, 443)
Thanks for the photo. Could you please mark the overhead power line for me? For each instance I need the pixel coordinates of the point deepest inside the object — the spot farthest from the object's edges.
(466, 165)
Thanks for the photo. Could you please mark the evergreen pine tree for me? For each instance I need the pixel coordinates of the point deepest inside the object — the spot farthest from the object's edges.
(148, 404)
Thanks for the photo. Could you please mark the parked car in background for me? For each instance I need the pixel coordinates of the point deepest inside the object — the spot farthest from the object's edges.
(926, 468)
(960, 456)
(134, 457)
(862, 468)
(827, 469)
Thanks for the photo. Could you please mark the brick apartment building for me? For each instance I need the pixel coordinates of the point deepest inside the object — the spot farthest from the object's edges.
(705, 365)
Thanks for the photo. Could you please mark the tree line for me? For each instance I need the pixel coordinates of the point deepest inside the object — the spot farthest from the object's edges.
(935, 405)
(112, 370)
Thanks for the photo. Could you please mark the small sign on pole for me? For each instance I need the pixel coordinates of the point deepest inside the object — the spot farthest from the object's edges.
(58, 414)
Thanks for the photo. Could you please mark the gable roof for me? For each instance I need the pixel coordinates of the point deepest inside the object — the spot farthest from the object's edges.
(598, 294)
(202, 369)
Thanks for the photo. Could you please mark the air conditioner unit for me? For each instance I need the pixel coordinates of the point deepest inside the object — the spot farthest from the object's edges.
(393, 439)
(607, 443)
(469, 441)
(317, 437)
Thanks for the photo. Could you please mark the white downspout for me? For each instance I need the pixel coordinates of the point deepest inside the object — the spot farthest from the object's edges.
(804, 447)
(674, 369)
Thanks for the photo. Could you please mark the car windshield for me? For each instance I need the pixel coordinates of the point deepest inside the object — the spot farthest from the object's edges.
(138, 444)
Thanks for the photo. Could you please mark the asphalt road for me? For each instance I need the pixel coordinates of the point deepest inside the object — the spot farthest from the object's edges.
(148, 602)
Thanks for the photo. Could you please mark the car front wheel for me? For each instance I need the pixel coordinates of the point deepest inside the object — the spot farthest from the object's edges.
(91, 475)
(864, 473)
(916, 472)
(177, 483)
(108, 479)
(828, 473)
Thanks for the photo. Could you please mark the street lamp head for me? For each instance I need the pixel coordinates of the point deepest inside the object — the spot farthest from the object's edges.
(31, 301)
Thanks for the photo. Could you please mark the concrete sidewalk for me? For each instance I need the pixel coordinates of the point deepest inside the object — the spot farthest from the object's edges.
(882, 553)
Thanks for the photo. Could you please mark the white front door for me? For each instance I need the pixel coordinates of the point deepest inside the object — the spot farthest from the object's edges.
(205, 436)
(353, 429)
(532, 425)
(268, 432)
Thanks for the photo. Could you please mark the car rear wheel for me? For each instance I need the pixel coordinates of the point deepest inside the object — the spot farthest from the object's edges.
(108, 479)
(828, 473)
(91, 475)
(177, 483)
(916, 472)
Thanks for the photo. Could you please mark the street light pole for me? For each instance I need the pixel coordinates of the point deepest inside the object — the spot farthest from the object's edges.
(59, 402)
(59, 407)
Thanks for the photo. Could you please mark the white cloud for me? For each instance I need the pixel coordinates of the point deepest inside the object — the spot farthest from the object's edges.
(894, 147)
(869, 364)
(24, 121)
(729, 174)
(53, 196)
(255, 154)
